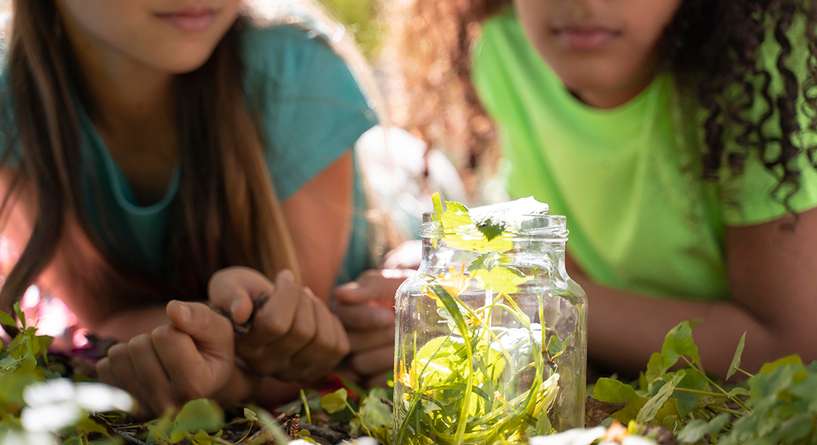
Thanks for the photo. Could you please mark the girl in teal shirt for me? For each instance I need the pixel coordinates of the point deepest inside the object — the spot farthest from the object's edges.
(187, 151)
(677, 137)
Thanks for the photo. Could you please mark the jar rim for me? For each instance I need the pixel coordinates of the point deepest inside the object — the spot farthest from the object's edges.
(532, 227)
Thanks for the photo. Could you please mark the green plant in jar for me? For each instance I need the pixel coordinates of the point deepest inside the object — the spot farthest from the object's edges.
(491, 333)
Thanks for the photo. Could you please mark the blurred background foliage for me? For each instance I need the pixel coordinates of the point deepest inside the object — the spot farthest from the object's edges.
(362, 19)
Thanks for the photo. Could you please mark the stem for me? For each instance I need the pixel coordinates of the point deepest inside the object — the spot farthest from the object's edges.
(306, 407)
(718, 387)
(745, 372)
(727, 410)
(703, 393)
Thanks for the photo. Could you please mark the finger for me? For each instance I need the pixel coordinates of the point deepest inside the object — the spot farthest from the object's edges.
(104, 373)
(379, 381)
(372, 285)
(405, 256)
(360, 341)
(283, 349)
(150, 373)
(181, 360)
(123, 373)
(324, 352)
(275, 319)
(211, 332)
(304, 327)
(233, 290)
(364, 317)
(373, 362)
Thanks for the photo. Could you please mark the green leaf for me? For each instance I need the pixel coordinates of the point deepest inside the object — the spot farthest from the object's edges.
(159, 430)
(733, 367)
(335, 401)
(795, 429)
(739, 391)
(7, 320)
(197, 415)
(455, 218)
(788, 360)
(696, 430)
(437, 201)
(490, 228)
(679, 342)
(500, 280)
(86, 426)
(650, 409)
(555, 346)
(376, 417)
(687, 402)
(250, 415)
(610, 390)
(655, 368)
(21, 317)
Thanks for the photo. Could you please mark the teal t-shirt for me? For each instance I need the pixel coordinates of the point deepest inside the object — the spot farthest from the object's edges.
(312, 111)
(628, 179)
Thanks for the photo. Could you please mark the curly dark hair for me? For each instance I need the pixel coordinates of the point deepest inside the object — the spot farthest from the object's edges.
(712, 46)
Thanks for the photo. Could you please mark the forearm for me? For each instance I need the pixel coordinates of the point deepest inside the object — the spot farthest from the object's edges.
(625, 328)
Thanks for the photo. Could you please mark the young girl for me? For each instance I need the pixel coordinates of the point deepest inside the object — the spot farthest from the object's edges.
(678, 137)
(155, 148)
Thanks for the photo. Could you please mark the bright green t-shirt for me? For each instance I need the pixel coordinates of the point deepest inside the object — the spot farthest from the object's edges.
(628, 180)
(312, 111)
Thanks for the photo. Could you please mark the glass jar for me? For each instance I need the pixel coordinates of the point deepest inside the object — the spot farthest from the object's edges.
(491, 342)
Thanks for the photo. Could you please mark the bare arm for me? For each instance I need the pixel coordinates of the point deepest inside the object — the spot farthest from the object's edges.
(319, 216)
(773, 278)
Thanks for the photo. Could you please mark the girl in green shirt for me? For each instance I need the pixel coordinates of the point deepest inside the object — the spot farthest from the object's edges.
(678, 137)
(188, 151)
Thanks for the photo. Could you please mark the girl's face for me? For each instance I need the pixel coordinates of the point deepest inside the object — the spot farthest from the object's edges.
(598, 47)
(174, 36)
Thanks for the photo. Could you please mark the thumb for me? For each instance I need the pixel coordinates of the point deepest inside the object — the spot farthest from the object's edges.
(210, 331)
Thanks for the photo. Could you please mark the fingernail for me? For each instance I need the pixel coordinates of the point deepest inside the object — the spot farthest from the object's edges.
(184, 313)
(286, 274)
(234, 308)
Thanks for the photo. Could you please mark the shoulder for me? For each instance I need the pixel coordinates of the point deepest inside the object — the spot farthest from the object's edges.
(283, 53)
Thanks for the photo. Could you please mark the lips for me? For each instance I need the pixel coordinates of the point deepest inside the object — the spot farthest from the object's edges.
(585, 37)
(189, 20)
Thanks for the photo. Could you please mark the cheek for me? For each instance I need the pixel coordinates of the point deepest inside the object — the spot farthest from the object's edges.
(126, 29)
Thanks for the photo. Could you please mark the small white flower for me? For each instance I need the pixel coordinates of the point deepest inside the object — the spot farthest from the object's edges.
(59, 403)
(27, 438)
(572, 437)
(361, 441)
(52, 417)
(299, 442)
(97, 397)
(52, 391)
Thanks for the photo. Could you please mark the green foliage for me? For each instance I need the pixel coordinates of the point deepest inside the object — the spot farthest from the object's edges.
(778, 405)
(361, 18)
(335, 402)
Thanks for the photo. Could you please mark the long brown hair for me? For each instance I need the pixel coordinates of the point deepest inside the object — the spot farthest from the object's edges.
(714, 46)
(227, 209)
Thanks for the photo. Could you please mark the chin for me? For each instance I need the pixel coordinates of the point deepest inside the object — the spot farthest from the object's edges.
(183, 60)
(590, 78)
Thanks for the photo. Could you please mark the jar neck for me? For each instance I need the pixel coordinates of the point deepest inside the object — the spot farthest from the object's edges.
(438, 257)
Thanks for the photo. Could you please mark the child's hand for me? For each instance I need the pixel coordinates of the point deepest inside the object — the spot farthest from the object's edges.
(190, 358)
(366, 308)
(292, 336)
